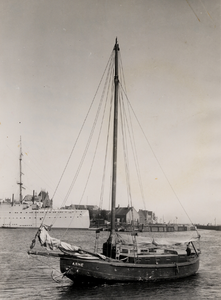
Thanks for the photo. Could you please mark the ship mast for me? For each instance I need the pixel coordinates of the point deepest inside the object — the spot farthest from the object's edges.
(115, 131)
(20, 183)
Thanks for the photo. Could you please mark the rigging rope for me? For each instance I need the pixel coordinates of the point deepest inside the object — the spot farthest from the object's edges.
(85, 151)
(129, 125)
(160, 164)
(133, 147)
(126, 165)
(126, 123)
(98, 139)
(106, 150)
(79, 134)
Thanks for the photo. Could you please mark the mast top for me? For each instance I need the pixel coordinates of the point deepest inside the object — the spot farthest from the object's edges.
(116, 46)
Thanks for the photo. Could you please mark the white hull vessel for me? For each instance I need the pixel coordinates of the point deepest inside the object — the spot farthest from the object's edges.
(32, 211)
(21, 216)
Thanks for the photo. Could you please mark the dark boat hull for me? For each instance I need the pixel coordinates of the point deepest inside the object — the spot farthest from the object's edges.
(80, 270)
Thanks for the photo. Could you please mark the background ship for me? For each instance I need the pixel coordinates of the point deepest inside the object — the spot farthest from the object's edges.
(33, 210)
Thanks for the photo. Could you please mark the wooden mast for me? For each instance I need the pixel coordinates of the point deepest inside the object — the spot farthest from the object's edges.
(115, 131)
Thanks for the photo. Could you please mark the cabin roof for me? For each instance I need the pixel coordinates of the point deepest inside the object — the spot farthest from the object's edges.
(122, 211)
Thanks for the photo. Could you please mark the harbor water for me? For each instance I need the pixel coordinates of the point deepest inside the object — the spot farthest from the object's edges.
(35, 277)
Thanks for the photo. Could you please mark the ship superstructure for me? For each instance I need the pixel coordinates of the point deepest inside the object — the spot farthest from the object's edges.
(31, 215)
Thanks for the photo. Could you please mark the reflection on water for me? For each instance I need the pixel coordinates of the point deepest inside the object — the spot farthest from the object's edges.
(25, 277)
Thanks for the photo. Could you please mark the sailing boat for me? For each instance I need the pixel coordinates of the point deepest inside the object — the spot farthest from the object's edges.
(122, 259)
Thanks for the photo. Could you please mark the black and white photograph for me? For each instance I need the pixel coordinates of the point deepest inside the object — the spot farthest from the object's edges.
(110, 149)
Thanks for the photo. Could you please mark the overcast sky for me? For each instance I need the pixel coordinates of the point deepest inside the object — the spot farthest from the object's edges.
(52, 56)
